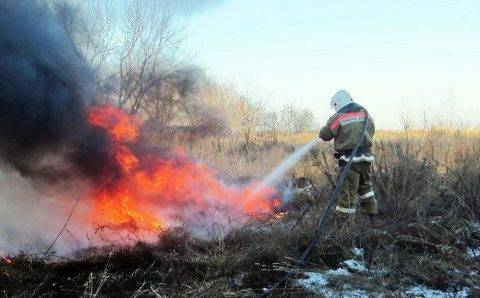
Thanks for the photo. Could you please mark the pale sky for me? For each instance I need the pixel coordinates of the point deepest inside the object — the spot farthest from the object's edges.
(419, 56)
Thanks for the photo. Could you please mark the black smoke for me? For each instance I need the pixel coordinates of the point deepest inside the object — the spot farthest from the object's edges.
(45, 92)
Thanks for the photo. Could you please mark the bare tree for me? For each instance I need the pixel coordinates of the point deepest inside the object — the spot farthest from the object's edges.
(296, 120)
(273, 124)
(249, 118)
(149, 50)
(132, 46)
(405, 116)
(91, 25)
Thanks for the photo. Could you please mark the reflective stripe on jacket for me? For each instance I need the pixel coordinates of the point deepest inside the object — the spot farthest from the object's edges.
(346, 127)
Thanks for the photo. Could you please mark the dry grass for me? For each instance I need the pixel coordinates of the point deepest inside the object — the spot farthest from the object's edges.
(428, 185)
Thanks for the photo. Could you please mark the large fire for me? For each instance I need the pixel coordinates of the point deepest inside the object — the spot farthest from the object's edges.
(153, 187)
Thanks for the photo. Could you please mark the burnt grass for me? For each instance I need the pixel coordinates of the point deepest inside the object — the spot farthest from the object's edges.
(429, 217)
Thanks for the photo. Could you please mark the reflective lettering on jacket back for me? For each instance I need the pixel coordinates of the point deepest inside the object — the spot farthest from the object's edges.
(348, 118)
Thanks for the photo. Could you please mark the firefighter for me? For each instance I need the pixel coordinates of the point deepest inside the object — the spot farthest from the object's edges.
(346, 127)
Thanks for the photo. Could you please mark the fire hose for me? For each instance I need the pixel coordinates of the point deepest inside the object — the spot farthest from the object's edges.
(325, 217)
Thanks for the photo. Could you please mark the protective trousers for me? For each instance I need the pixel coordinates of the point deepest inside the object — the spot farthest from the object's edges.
(358, 181)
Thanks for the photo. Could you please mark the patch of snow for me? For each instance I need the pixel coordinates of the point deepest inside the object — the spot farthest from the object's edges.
(354, 265)
(422, 291)
(337, 272)
(358, 252)
(463, 293)
(475, 226)
(349, 292)
(314, 282)
(473, 252)
(425, 292)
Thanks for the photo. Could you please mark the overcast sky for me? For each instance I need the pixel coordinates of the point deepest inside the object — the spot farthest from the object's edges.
(417, 56)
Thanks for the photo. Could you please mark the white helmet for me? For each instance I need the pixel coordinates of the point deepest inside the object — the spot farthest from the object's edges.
(340, 100)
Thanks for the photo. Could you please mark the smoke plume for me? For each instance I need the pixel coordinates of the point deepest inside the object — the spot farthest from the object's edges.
(45, 91)
(52, 132)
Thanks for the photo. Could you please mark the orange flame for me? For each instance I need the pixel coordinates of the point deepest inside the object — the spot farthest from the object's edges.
(154, 187)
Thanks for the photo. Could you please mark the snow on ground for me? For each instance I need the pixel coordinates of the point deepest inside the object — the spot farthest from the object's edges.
(475, 226)
(318, 282)
(422, 291)
(473, 252)
(357, 264)
(313, 282)
(358, 252)
(338, 272)
(354, 265)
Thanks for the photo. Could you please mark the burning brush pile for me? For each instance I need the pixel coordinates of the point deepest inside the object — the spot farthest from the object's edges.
(58, 139)
(150, 188)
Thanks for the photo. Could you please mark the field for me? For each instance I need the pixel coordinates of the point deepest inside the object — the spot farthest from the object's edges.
(426, 240)
(122, 138)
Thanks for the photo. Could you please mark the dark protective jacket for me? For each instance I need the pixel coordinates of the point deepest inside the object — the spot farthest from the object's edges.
(346, 127)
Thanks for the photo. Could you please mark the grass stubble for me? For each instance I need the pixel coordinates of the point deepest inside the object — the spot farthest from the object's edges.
(428, 186)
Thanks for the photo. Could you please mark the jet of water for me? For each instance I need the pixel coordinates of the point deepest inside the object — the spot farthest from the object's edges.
(286, 165)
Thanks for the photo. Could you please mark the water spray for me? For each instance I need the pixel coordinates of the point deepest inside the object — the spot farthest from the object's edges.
(287, 164)
(284, 167)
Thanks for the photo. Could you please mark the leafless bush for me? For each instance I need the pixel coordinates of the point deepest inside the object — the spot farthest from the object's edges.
(296, 120)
